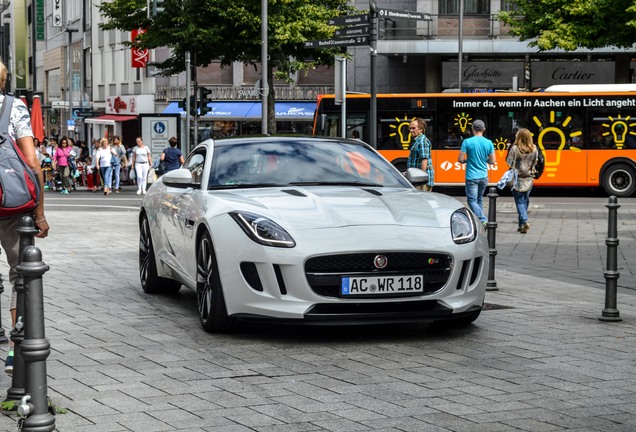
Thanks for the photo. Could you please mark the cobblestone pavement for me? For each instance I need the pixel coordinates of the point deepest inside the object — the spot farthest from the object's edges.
(537, 359)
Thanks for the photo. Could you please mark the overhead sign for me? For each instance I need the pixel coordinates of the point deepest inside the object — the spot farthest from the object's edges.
(349, 20)
(330, 43)
(360, 30)
(57, 13)
(40, 21)
(82, 113)
(407, 15)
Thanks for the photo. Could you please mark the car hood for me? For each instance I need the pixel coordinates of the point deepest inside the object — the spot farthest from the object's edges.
(329, 207)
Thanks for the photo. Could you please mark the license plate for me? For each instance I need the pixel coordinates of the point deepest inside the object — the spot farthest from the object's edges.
(373, 285)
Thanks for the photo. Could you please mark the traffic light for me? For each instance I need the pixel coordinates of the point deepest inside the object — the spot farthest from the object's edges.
(157, 7)
(203, 101)
(193, 105)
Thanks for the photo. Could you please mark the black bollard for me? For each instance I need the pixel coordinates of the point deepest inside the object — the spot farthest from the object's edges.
(27, 232)
(34, 412)
(3, 337)
(611, 313)
(491, 285)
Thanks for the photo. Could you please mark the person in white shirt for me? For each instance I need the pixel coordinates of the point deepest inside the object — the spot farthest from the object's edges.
(141, 161)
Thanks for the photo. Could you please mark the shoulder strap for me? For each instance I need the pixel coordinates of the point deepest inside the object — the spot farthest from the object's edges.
(5, 113)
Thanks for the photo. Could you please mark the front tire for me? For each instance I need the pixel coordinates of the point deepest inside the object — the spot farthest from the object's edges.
(620, 180)
(210, 300)
(150, 282)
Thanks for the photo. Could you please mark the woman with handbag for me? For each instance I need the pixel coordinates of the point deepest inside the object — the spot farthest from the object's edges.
(171, 158)
(104, 164)
(523, 156)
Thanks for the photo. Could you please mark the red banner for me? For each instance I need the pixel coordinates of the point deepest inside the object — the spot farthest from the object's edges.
(139, 55)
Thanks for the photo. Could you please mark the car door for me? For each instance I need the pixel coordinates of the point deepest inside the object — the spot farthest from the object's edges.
(187, 208)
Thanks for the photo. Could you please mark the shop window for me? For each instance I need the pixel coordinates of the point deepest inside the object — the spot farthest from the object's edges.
(471, 7)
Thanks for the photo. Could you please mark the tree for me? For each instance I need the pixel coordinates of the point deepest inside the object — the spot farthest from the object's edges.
(572, 24)
(231, 31)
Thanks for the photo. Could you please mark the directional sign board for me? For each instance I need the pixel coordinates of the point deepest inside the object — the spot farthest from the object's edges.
(330, 43)
(359, 30)
(349, 20)
(407, 15)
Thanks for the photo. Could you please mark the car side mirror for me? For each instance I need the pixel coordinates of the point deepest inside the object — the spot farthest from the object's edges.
(416, 176)
(177, 178)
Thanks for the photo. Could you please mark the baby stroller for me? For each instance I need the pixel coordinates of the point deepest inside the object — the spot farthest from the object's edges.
(49, 177)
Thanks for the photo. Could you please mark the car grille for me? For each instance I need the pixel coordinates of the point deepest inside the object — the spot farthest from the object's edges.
(324, 273)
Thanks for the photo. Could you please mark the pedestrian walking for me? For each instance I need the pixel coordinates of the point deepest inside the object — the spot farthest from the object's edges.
(120, 158)
(103, 163)
(420, 156)
(20, 131)
(477, 152)
(523, 157)
(141, 160)
(172, 156)
(62, 165)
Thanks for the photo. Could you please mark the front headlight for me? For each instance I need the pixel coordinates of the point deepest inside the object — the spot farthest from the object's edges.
(463, 227)
(263, 230)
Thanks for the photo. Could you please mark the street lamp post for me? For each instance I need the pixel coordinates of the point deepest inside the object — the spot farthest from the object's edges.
(70, 30)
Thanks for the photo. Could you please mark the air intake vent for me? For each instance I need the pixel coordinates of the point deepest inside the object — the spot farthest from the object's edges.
(250, 273)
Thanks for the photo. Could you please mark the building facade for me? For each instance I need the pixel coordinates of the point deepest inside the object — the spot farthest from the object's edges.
(91, 85)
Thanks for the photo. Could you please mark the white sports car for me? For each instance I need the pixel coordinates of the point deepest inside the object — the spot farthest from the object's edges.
(309, 231)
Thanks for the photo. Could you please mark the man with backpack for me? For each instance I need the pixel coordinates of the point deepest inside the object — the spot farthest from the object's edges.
(20, 132)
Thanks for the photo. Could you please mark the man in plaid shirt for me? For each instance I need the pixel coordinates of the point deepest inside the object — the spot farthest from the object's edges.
(420, 156)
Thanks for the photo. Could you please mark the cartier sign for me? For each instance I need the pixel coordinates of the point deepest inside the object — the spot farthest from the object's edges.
(545, 74)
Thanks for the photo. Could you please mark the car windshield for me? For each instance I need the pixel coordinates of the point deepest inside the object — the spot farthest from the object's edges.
(301, 163)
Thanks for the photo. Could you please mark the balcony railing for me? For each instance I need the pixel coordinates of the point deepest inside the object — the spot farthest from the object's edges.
(225, 92)
(444, 27)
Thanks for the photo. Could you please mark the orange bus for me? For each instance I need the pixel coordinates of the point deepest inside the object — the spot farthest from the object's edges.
(588, 137)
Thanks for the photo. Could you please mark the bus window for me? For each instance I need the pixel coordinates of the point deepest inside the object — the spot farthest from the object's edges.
(557, 129)
(455, 126)
(394, 133)
(612, 130)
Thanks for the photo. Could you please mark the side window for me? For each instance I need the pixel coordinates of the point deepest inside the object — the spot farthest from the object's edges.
(195, 164)
(558, 128)
(611, 130)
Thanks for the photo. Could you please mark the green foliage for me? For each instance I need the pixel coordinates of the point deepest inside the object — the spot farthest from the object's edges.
(230, 31)
(572, 24)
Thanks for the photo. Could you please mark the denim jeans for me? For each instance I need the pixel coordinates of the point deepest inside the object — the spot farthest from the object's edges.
(116, 176)
(107, 176)
(475, 196)
(522, 200)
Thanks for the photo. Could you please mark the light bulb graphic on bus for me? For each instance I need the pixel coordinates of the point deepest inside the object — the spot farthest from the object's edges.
(403, 131)
(619, 129)
(551, 166)
(501, 145)
(463, 120)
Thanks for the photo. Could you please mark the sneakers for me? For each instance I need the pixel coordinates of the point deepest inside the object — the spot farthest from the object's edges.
(8, 363)
(64, 192)
(524, 228)
(139, 192)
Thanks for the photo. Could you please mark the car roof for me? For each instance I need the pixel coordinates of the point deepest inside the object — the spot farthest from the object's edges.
(221, 142)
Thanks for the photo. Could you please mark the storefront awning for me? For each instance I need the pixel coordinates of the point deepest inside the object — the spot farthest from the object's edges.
(109, 119)
(242, 111)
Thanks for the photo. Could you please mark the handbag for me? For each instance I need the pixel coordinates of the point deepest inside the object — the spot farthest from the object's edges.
(509, 178)
(163, 167)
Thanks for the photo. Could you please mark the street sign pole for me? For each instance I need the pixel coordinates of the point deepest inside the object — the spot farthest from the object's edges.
(373, 117)
(341, 92)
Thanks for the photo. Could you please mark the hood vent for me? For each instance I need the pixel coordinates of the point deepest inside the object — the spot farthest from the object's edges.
(294, 192)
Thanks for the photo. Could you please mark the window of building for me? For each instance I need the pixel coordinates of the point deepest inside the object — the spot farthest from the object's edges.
(471, 7)
(508, 6)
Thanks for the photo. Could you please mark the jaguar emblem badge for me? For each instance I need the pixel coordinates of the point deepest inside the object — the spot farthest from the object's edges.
(380, 262)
